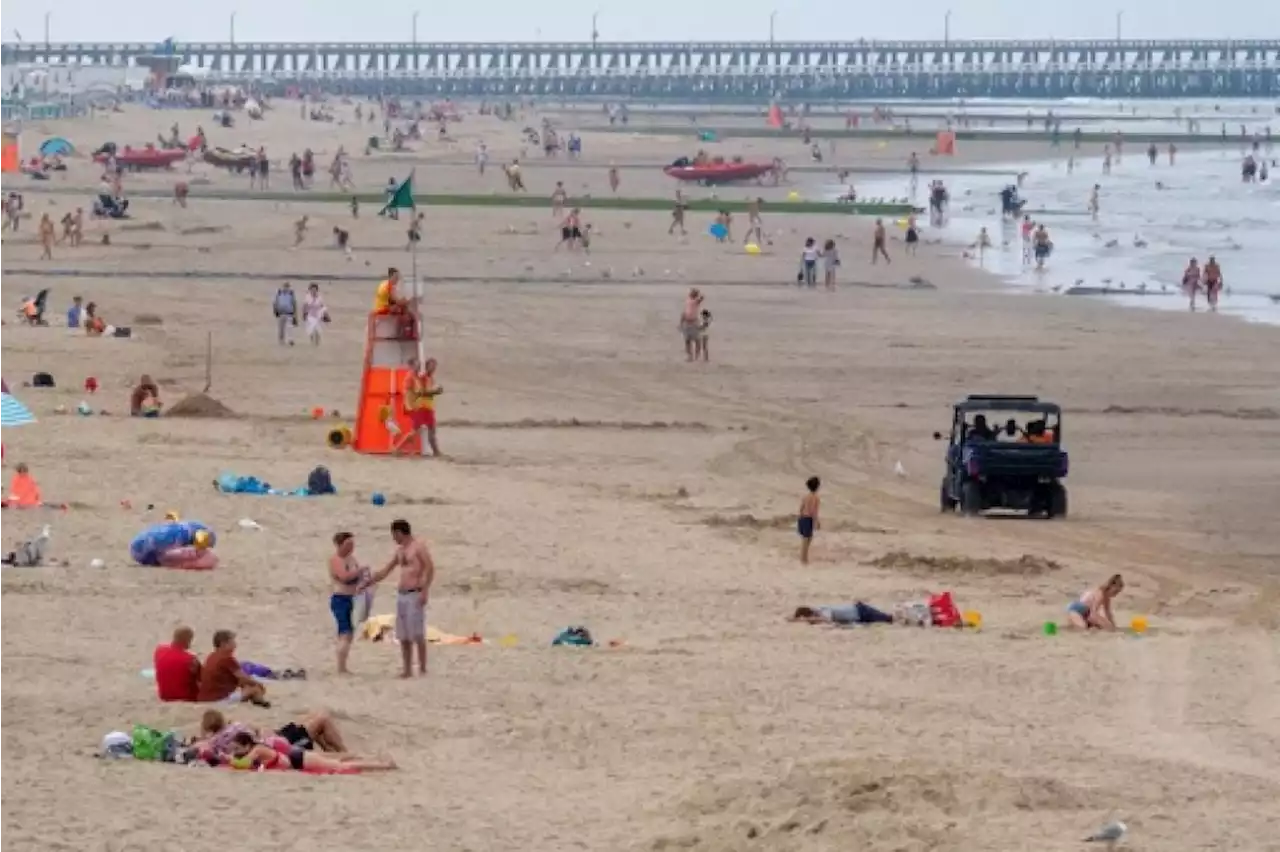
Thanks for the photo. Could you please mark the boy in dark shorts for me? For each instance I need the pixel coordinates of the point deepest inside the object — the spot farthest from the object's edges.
(807, 522)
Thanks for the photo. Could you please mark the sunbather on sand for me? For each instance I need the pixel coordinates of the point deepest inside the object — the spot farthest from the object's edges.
(1092, 610)
(247, 753)
(311, 730)
(854, 613)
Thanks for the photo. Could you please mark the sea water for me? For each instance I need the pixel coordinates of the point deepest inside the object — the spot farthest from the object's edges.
(1153, 219)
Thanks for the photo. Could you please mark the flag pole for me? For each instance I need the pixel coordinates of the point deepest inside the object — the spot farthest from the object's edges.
(413, 270)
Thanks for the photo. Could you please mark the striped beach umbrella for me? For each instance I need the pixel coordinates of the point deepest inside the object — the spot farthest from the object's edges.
(14, 413)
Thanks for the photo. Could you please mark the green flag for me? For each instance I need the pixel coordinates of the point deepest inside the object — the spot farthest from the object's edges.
(400, 198)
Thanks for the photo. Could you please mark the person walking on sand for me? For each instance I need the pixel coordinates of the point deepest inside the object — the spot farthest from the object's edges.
(420, 392)
(413, 591)
(830, 263)
(1092, 610)
(300, 231)
(558, 198)
(755, 231)
(689, 324)
(314, 313)
(677, 215)
(1212, 283)
(614, 179)
(285, 308)
(1094, 201)
(1191, 282)
(807, 520)
(346, 581)
(809, 263)
(47, 236)
(878, 238)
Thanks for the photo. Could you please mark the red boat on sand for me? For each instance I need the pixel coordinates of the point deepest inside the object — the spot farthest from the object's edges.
(144, 158)
(713, 173)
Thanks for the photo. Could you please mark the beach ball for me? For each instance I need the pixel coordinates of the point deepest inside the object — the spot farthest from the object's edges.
(1050, 628)
(751, 248)
(378, 498)
(1138, 625)
(201, 540)
(973, 618)
(793, 196)
(83, 409)
(718, 231)
(902, 223)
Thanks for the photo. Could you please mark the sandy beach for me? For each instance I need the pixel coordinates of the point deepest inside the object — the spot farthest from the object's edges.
(593, 477)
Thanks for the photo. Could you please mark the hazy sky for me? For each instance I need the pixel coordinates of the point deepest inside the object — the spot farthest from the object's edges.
(539, 20)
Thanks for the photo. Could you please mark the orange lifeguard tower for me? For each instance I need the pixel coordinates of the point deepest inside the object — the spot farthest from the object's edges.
(392, 340)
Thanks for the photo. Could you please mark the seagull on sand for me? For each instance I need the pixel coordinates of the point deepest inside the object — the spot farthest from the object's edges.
(1110, 834)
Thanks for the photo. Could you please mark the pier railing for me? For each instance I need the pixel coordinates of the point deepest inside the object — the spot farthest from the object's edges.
(1258, 66)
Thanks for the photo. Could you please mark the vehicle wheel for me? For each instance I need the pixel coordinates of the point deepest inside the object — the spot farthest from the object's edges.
(971, 499)
(945, 503)
(1057, 501)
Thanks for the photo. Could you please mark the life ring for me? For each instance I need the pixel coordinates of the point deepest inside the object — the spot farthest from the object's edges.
(339, 438)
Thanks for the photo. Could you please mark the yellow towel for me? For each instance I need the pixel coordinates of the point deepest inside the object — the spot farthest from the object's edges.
(379, 627)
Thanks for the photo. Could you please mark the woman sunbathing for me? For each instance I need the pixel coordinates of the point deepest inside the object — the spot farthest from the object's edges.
(855, 613)
(1093, 608)
(248, 753)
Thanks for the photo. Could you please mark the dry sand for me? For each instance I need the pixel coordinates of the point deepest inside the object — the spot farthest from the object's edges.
(595, 478)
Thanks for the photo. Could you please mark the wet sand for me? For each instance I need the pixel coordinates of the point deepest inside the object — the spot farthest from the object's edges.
(596, 478)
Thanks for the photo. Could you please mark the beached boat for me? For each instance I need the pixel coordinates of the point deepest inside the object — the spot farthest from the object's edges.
(713, 173)
(225, 158)
(144, 158)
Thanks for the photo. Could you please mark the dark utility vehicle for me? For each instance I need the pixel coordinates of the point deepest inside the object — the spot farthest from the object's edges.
(1016, 462)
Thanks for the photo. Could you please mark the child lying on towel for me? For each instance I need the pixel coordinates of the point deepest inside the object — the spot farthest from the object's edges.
(248, 753)
(843, 616)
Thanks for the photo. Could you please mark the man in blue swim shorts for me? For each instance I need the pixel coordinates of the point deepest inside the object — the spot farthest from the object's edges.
(807, 521)
(345, 577)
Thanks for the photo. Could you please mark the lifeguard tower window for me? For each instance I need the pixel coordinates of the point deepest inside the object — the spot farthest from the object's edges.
(179, 81)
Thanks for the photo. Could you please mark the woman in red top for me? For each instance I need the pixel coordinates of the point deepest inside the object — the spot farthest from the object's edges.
(177, 669)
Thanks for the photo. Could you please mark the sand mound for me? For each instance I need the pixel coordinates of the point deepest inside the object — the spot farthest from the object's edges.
(1025, 565)
(199, 405)
(748, 521)
(148, 319)
(852, 805)
(143, 226)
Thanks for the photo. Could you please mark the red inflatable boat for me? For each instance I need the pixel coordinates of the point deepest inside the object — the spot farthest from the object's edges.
(711, 173)
(145, 158)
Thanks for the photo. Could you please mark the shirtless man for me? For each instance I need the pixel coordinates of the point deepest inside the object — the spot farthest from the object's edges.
(878, 238)
(558, 198)
(1094, 203)
(417, 572)
(1212, 278)
(46, 237)
(677, 214)
(754, 227)
(345, 579)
